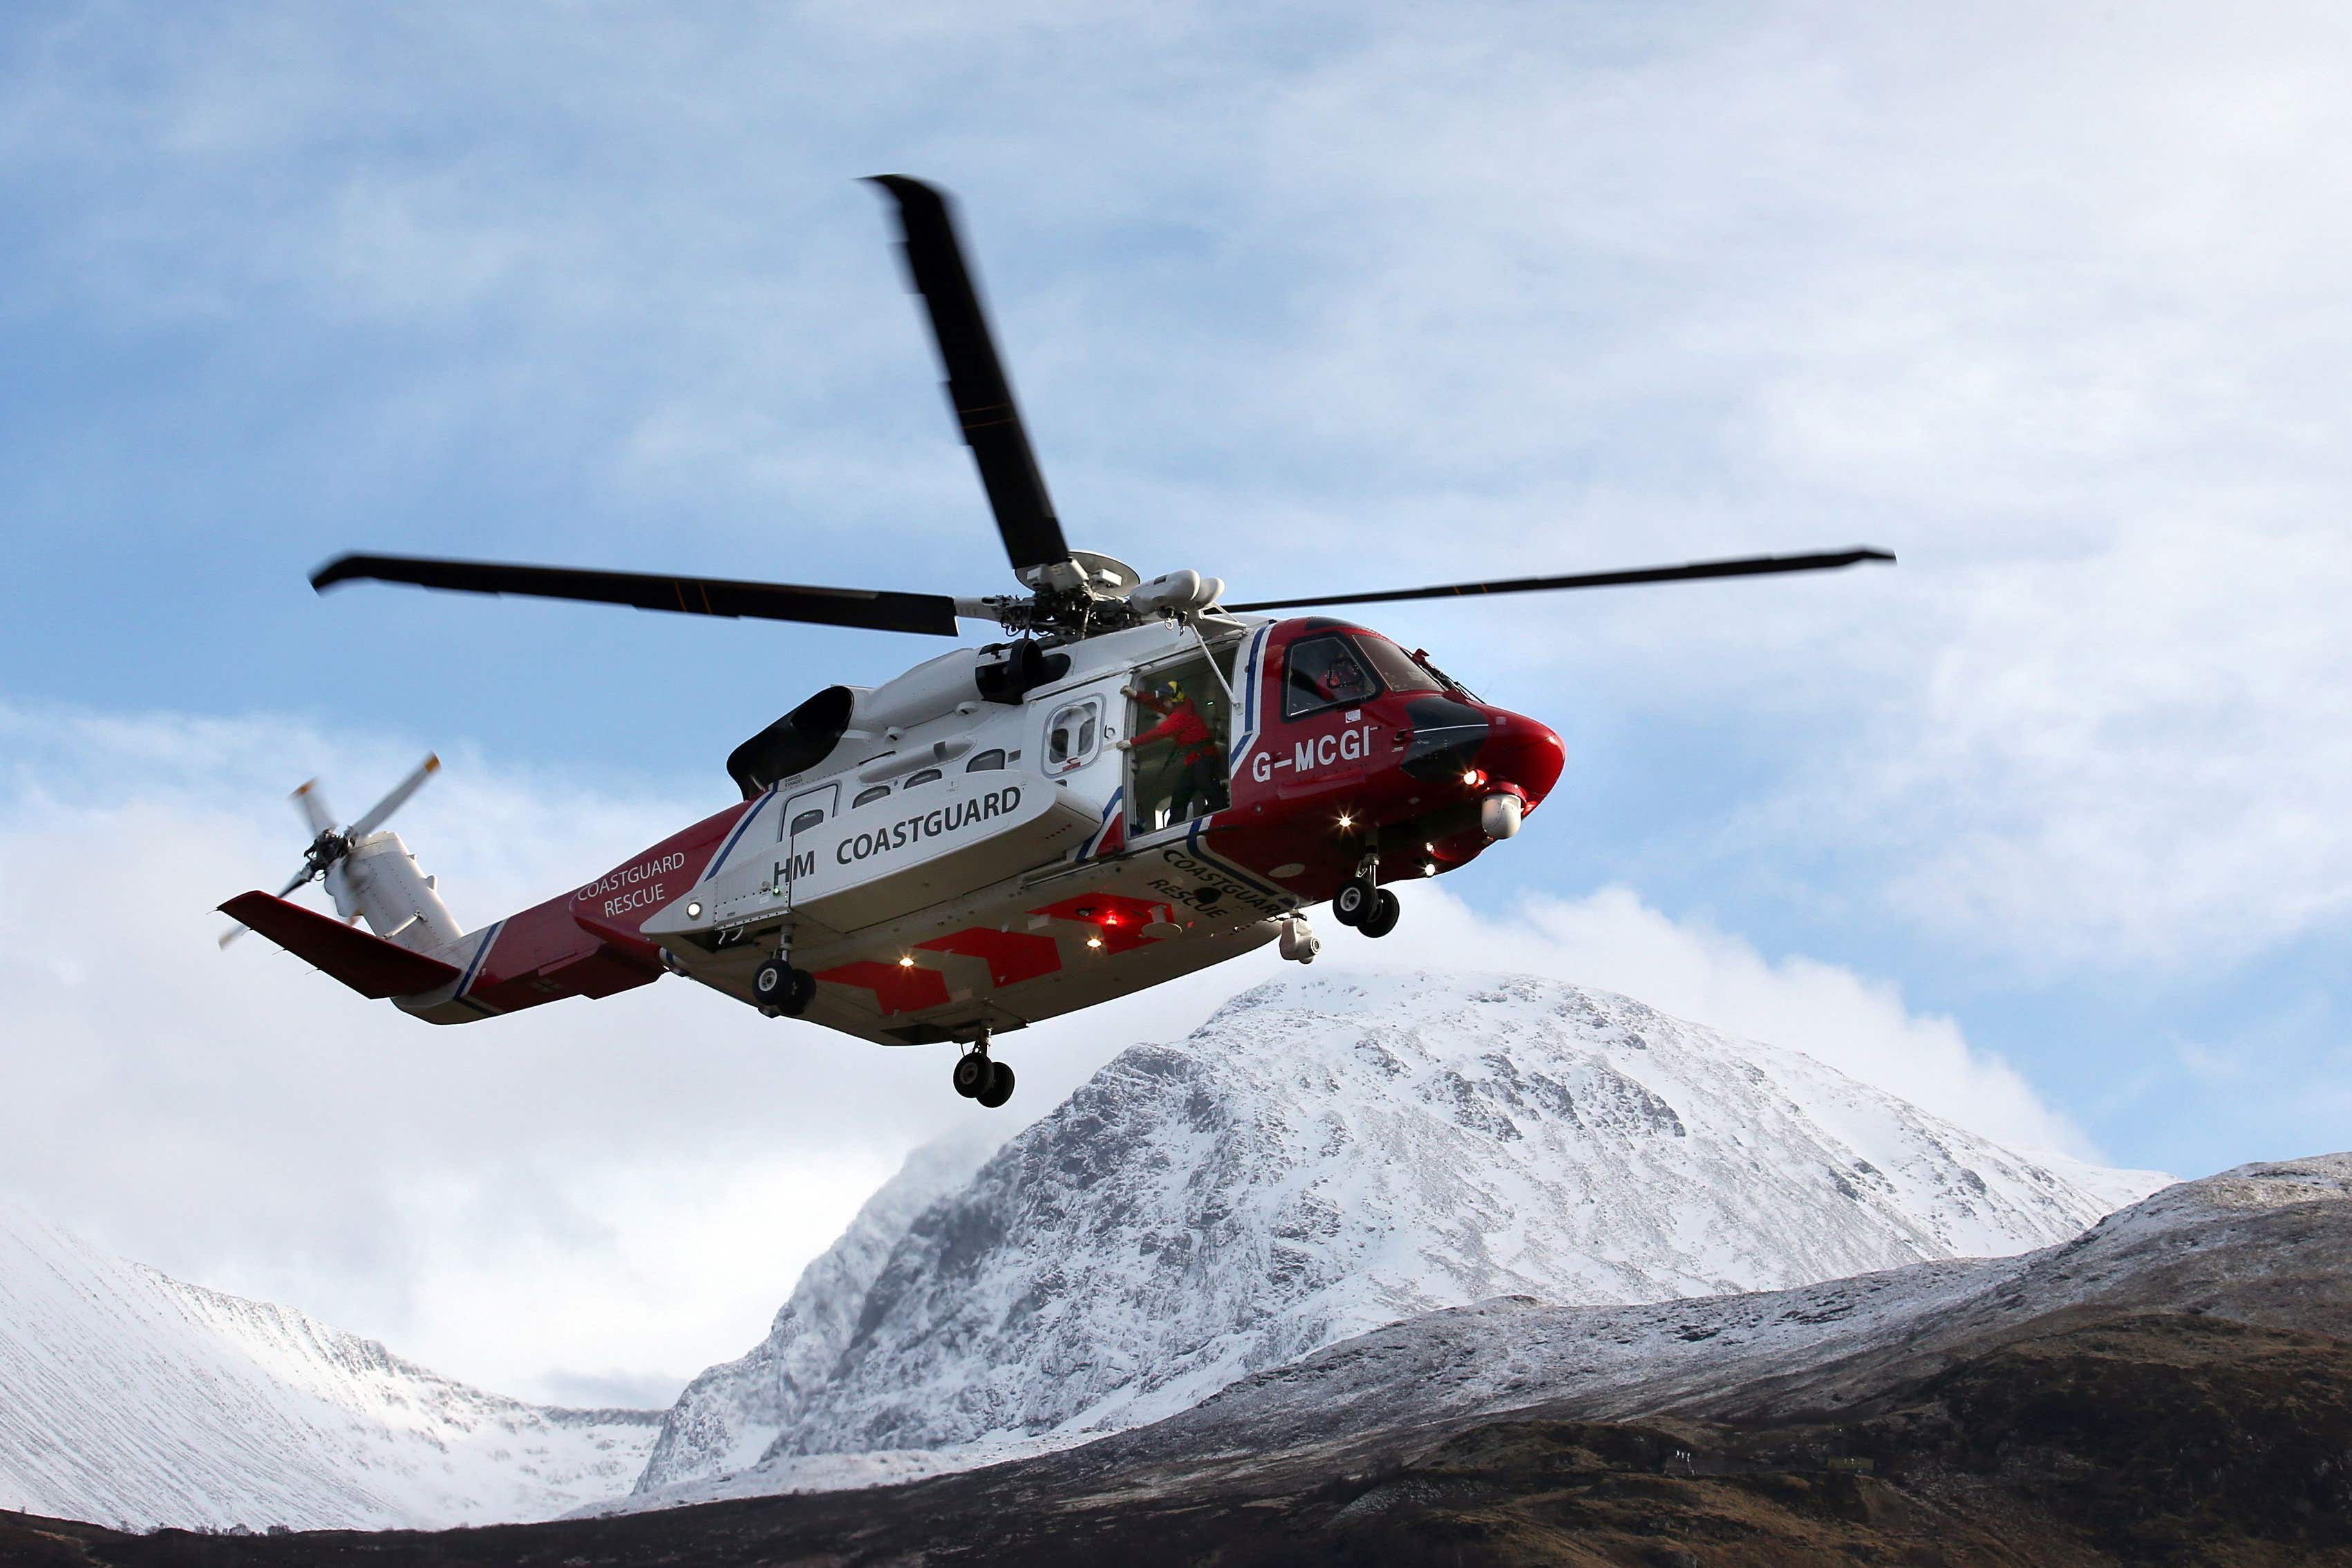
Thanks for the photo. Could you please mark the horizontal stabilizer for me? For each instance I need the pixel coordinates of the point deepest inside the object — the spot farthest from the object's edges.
(368, 965)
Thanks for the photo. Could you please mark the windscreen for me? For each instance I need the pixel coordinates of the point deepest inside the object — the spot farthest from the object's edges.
(1395, 666)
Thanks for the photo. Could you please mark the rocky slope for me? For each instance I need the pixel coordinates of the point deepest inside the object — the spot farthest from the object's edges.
(2269, 1246)
(129, 1397)
(1330, 1153)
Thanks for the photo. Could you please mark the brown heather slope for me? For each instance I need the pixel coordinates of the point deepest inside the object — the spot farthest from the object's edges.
(2175, 1387)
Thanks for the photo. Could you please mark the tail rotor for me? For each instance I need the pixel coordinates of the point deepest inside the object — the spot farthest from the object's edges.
(331, 844)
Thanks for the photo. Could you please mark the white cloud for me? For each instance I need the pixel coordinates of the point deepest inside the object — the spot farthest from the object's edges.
(1611, 940)
(629, 1186)
(587, 1197)
(2050, 302)
(583, 1196)
(2139, 757)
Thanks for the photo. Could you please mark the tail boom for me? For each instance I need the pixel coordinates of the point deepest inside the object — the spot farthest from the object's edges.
(584, 943)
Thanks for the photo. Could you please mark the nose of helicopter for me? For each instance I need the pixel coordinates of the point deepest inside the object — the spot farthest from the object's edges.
(1522, 752)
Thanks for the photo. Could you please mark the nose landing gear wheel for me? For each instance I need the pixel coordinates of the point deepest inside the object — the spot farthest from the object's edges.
(1382, 918)
(778, 987)
(999, 1086)
(1356, 899)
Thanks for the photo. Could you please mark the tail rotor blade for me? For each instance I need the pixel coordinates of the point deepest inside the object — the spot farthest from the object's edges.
(314, 807)
(398, 797)
(238, 930)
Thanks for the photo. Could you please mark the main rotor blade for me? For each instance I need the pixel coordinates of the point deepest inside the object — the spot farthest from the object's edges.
(976, 384)
(398, 797)
(315, 810)
(881, 610)
(1749, 566)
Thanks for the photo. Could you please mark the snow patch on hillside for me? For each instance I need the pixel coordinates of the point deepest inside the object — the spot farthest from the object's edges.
(133, 1399)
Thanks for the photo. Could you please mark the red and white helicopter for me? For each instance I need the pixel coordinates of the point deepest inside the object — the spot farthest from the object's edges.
(1138, 781)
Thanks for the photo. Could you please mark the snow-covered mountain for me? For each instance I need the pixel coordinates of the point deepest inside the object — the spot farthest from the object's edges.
(1327, 1155)
(728, 1416)
(131, 1398)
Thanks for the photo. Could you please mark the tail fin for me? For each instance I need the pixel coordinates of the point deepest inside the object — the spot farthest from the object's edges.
(378, 879)
(368, 965)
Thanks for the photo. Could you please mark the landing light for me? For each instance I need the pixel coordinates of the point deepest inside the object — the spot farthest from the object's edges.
(694, 912)
(1429, 868)
(1474, 778)
(906, 960)
(1094, 941)
(1346, 820)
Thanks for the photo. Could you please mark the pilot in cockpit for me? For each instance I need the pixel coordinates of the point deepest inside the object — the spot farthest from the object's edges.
(1344, 681)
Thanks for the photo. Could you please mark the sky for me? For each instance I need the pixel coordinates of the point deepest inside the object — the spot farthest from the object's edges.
(2046, 827)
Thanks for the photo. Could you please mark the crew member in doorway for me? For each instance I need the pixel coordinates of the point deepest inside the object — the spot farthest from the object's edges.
(1200, 780)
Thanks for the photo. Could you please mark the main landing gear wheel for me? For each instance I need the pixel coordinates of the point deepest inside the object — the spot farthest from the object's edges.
(1382, 918)
(980, 1077)
(1357, 898)
(778, 988)
(972, 1073)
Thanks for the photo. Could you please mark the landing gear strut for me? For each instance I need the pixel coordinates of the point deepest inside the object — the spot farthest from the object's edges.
(980, 1077)
(782, 991)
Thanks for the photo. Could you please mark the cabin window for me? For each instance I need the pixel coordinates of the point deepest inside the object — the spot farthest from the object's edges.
(1396, 668)
(986, 761)
(927, 776)
(1072, 734)
(868, 796)
(1325, 672)
(807, 810)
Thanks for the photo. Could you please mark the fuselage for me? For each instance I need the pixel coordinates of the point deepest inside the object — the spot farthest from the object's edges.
(981, 864)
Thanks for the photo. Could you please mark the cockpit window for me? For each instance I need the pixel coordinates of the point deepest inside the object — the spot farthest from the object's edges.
(1324, 671)
(1421, 656)
(1395, 666)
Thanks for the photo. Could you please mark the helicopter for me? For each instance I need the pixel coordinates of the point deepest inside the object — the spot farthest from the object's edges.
(1138, 780)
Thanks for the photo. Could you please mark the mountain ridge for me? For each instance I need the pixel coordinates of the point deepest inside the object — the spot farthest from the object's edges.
(1329, 1154)
(143, 1400)
(2172, 1385)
